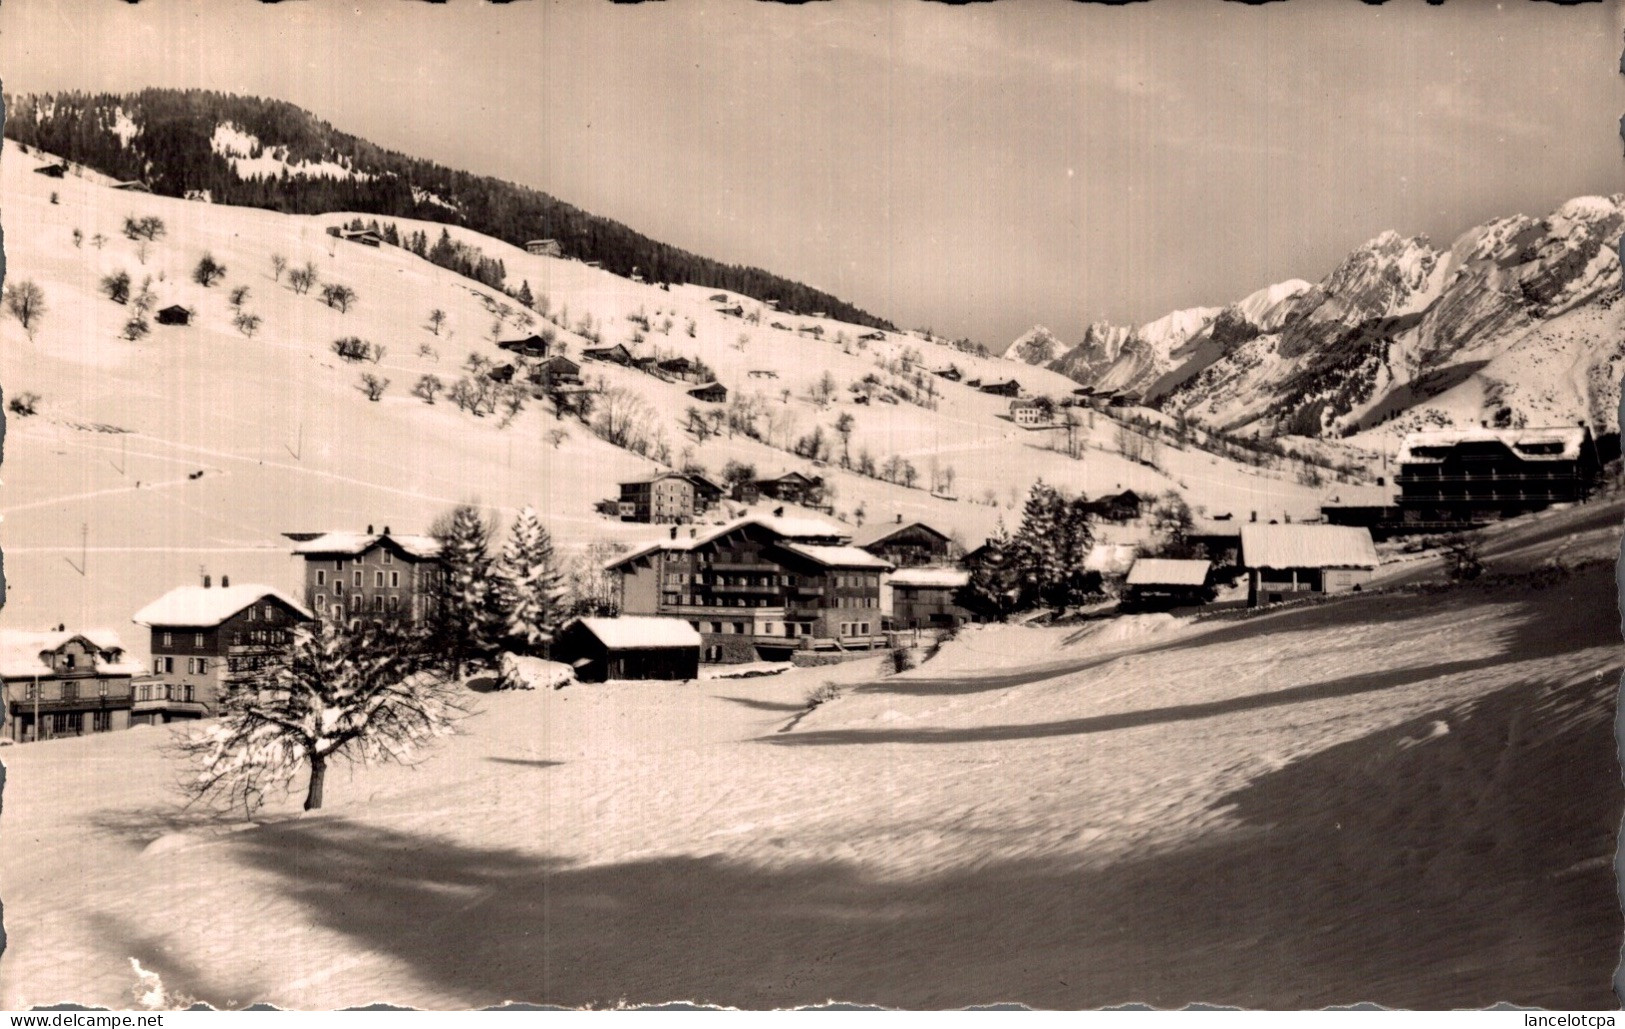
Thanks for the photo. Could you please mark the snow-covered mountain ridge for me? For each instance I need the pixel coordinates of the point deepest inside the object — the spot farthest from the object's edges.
(1513, 323)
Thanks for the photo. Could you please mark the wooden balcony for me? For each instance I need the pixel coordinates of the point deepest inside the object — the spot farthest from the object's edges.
(21, 705)
(192, 707)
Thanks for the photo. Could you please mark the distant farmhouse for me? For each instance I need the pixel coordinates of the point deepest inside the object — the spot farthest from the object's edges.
(1027, 413)
(1284, 561)
(61, 683)
(175, 314)
(1001, 388)
(544, 247)
(207, 639)
(711, 393)
(1479, 475)
(525, 346)
(904, 544)
(668, 498)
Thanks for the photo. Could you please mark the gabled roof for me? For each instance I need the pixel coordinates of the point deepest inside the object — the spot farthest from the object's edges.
(798, 527)
(20, 651)
(641, 632)
(522, 341)
(929, 578)
(203, 607)
(844, 556)
(1307, 546)
(1561, 443)
(1163, 571)
(357, 543)
(878, 532)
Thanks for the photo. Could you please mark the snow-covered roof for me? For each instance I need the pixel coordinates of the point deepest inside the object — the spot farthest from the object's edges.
(641, 632)
(20, 651)
(1110, 558)
(875, 532)
(201, 607)
(942, 578)
(361, 542)
(845, 556)
(1164, 571)
(1561, 443)
(1307, 546)
(788, 527)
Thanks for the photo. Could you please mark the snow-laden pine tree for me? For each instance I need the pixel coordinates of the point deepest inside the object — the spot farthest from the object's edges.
(1036, 547)
(531, 588)
(363, 692)
(468, 626)
(994, 587)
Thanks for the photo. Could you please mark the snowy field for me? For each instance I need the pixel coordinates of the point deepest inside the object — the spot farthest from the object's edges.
(1410, 799)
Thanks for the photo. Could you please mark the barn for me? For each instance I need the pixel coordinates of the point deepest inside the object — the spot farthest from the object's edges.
(1159, 583)
(174, 314)
(1283, 561)
(629, 647)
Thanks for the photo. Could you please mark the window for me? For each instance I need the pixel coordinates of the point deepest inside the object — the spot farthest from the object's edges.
(253, 613)
(394, 604)
(70, 691)
(197, 640)
(270, 613)
(357, 579)
(716, 626)
(378, 579)
(169, 639)
(145, 693)
(338, 566)
(157, 666)
(338, 612)
(101, 688)
(739, 627)
(389, 558)
(67, 662)
(101, 721)
(321, 602)
(338, 588)
(377, 603)
(321, 577)
(394, 579)
(169, 666)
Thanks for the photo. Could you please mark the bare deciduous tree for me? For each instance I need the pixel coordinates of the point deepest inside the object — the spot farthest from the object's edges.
(373, 386)
(365, 692)
(25, 301)
(427, 387)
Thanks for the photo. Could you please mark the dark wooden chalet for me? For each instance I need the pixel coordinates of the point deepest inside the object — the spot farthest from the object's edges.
(55, 171)
(629, 647)
(175, 314)
(711, 393)
(1002, 388)
(616, 354)
(527, 346)
(554, 372)
(904, 544)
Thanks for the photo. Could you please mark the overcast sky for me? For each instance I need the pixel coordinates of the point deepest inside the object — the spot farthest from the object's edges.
(974, 169)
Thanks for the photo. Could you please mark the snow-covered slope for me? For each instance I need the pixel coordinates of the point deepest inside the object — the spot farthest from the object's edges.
(104, 479)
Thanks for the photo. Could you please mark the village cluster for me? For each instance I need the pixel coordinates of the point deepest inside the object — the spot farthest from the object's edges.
(781, 583)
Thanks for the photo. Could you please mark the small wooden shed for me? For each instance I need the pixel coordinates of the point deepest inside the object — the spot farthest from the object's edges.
(629, 647)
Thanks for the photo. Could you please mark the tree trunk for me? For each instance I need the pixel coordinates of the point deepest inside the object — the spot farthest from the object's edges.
(318, 773)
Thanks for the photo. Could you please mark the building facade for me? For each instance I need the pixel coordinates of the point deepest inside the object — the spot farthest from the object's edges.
(1453, 478)
(670, 498)
(925, 598)
(208, 640)
(61, 683)
(369, 575)
(905, 545)
(760, 588)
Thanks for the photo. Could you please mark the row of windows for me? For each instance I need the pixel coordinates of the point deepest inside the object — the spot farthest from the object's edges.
(166, 666)
(358, 580)
(690, 600)
(338, 565)
(70, 690)
(249, 663)
(198, 641)
(380, 605)
(854, 628)
(166, 691)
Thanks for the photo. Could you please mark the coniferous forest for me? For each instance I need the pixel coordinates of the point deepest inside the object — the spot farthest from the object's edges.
(163, 138)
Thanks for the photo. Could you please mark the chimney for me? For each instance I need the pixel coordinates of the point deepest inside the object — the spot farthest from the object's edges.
(1254, 518)
(778, 512)
(206, 582)
(369, 530)
(899, 518)
(1483, 425)
(386, 530)
(674, 532)
(693, 533)
(225, 580)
